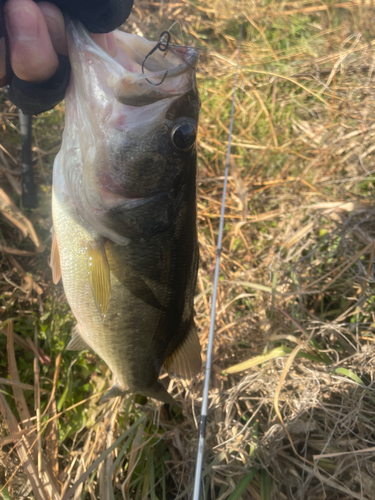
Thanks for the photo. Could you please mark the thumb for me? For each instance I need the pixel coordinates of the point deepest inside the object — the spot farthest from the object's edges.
(32, 55)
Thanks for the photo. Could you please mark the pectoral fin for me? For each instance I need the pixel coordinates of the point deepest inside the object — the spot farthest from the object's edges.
(186, 360)
(99, 275)
(55, 261)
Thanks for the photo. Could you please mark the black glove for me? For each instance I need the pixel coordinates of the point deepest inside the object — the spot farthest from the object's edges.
(99, 16)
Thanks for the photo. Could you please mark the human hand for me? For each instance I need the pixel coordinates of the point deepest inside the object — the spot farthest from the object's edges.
(37, 40)
(36, 33)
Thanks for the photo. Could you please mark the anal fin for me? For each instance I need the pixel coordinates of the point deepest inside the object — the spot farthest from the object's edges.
(186, 360)
(76, 343)
(55, 261)
(99, 275)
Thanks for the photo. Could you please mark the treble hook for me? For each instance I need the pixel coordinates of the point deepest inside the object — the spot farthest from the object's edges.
(163, 47)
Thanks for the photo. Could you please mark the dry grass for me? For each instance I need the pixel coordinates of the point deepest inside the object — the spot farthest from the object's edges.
(297, 274)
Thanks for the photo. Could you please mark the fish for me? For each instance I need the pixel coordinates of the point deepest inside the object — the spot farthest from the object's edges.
(124, 209)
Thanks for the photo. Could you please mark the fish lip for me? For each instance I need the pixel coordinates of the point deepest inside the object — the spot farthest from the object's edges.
(152, 76)
(188, 64)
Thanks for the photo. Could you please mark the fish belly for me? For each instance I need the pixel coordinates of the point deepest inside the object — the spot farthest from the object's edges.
(125, 337)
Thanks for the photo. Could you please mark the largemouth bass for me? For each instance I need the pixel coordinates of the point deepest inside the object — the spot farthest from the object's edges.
(124, 208)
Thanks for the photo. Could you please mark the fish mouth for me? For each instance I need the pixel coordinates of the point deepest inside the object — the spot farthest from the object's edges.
(141, 74)
(152, 74)
(129, 105)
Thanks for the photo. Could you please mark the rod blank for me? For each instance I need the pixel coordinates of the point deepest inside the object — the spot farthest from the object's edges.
(203, 419)
(29, 197)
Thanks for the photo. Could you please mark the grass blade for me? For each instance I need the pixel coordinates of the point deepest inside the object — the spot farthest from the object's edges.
(4, 493)
(258, 360)
(47, 479)
(255, 286)
(350, 374)
(355, 378)
(163, 485)
(134, 457)
(151, 463)
(243, 484)
(265, 485)
(206, 471)
(23, 453)
(103, 456)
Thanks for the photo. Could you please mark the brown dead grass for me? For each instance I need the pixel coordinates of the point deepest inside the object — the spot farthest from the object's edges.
(297, 262)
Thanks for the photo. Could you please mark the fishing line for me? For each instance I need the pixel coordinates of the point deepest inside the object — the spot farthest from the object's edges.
(203, 418)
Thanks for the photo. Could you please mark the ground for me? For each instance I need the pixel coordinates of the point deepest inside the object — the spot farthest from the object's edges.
(292, 399)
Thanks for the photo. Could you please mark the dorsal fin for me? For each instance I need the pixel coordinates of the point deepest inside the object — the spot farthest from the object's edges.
(99, 275)
(55, 261)
(186, 360)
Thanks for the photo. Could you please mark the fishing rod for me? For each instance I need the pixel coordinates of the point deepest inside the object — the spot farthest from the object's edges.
(29, 194)
(203, 418)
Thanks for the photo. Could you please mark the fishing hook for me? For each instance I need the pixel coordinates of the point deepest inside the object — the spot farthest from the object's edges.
(163, 47)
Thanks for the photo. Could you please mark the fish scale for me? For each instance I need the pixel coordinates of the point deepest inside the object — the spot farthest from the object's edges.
(124, 212)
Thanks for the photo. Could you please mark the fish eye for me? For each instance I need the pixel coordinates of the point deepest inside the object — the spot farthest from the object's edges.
(183, 135)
